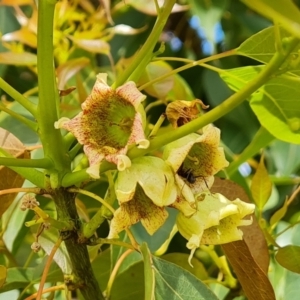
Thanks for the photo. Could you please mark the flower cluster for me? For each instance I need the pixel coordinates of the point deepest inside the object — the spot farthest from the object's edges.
(111, 121)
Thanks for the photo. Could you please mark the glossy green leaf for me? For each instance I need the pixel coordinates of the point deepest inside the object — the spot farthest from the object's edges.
(289, 258)
(129, 285)
(261, 186)
(21, 131)
(262, 47)
(181, 259)
(17, 278)
(173, 282)
(61, 256)
(239, 126)
(101, 268)
(275, 104)
(54, 274)
(285, 283)
(284, 12)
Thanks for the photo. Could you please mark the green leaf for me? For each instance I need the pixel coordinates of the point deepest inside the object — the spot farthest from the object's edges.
(173, 282)
(129, 285)
(262, 47)
(61, 256)
(275, 104)
(181, 259)
(117, 251)
(279, 214)
(285, 283)
(21, 131)
(17, 278)
(148, 272)
(284, 12)
(54, 273)
(261, 186)
(101, 268)
(289, 258)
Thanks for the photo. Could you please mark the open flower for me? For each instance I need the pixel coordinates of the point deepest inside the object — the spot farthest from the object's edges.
(195, 159)
(139, 209)
(216, 221)
(108, 124)
(143, 191)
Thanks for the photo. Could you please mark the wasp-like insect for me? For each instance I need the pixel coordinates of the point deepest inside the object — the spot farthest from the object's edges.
(187, 174)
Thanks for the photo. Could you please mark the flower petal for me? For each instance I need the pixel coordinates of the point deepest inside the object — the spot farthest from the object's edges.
(108, 124)
(153, 175)
(131, 93)
(216, 220)
(140, 208)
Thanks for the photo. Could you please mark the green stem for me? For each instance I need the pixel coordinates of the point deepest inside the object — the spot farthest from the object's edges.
(117, 242)
(285, 180)
(73, 152)
(34, 176)
(84, 278)
(261, 139)
(189, 64)
(32, 125)
(51, 138)
(43, 163)
(69, 139)
(18, 97)
(144, 56)
(105, 212)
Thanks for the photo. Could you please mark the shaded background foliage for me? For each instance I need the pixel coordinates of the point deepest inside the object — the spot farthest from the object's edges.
(185, 36)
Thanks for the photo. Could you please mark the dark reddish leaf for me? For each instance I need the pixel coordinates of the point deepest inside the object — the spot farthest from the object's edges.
(249, 258)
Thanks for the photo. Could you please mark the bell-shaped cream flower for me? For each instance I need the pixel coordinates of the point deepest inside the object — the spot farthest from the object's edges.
(139, 209)
(216, 221)
(196, 158)
(110, 121)
(153, 175)
(143, 191)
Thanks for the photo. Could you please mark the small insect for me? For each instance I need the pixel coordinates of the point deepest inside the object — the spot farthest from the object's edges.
(187, 174)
